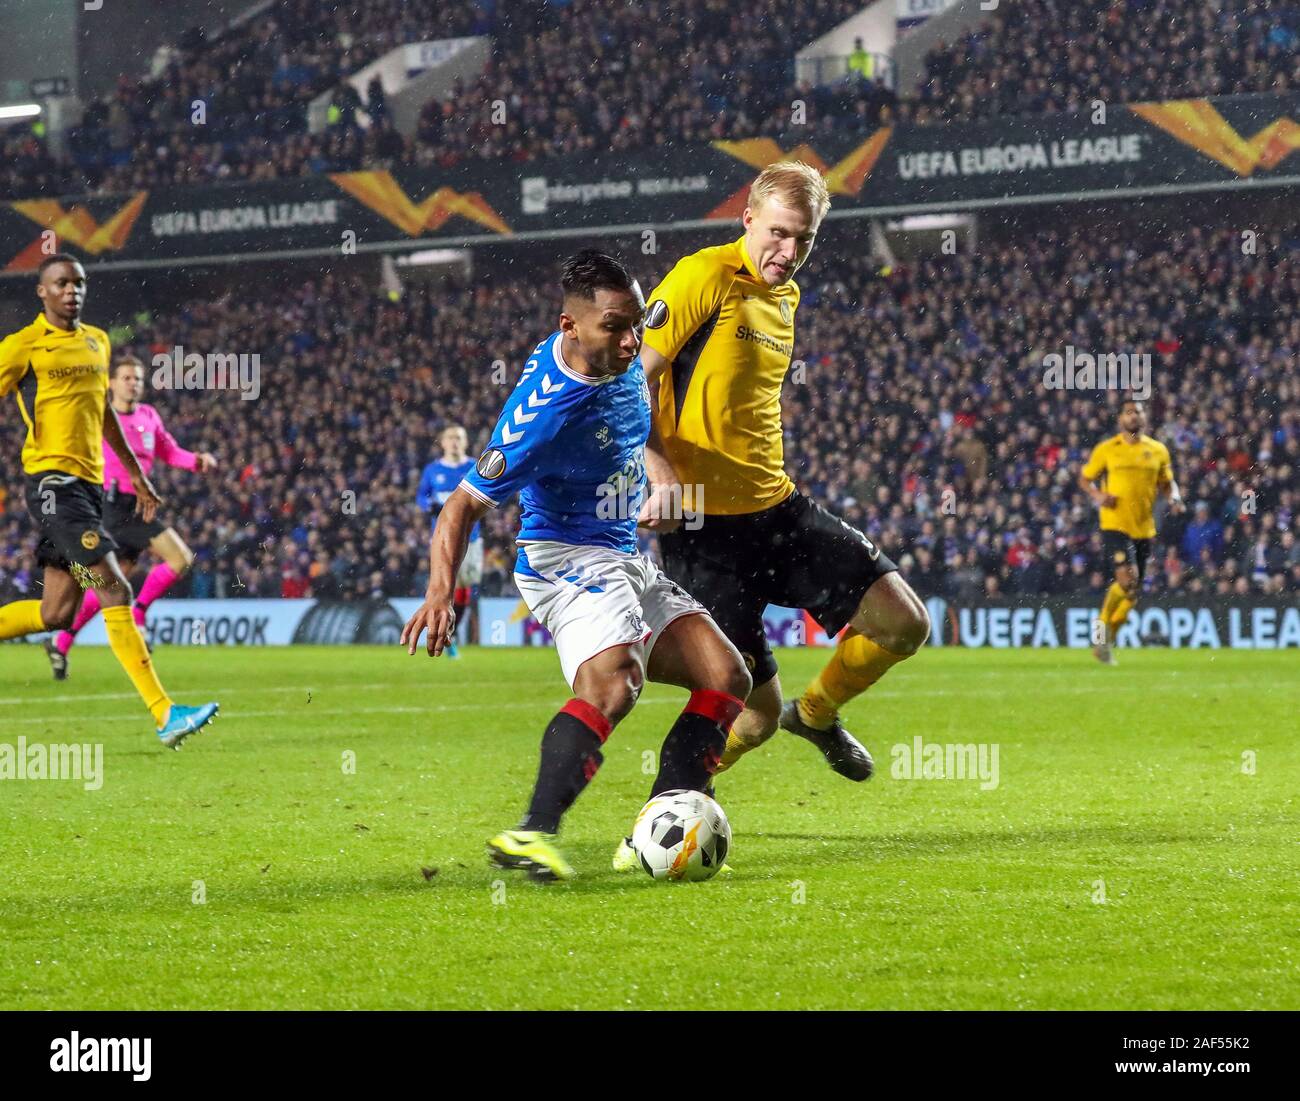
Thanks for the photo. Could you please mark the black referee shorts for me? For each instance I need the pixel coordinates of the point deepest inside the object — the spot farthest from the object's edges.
(796, 555)
(69, 515)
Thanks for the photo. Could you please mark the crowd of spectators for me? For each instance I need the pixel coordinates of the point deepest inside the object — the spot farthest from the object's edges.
(609, 76)
(254, 83)
(587, 74)
(29, 170)
(1044, 56)
(928, 422)
(617, 80)
(916, 407)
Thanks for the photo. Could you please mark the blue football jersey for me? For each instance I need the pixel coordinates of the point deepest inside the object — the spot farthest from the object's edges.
(437, 483)
(573, 448)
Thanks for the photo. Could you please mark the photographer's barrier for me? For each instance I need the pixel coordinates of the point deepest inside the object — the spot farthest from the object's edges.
(1049, 623)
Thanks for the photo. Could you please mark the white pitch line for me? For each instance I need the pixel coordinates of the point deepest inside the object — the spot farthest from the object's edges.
(1078, 689)
(318, 688)
(439, 708)
(445, 708)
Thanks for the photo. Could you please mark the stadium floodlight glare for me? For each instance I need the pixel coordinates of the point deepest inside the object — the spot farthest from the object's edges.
(434, 256)
(931, 221)
(20, 111)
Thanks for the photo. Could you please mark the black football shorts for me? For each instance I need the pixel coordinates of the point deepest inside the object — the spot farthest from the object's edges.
(69, 514)
(129, 532)
(795, 555)
(1124, 550)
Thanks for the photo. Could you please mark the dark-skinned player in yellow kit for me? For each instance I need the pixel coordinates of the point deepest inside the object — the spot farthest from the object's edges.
(1133, 469)
(58, 369)
(719, 336)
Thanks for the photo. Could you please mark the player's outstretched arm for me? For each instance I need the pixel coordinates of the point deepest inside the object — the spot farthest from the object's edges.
(147, 499)
(169, 452)
(447, 548)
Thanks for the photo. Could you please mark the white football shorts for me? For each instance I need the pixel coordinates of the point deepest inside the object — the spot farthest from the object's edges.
(592, 598)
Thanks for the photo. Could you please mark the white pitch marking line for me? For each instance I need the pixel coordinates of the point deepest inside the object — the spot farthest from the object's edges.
(437, 708)
(19, 701)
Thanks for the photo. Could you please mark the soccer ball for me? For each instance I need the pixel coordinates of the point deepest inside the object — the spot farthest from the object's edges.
(681, 835)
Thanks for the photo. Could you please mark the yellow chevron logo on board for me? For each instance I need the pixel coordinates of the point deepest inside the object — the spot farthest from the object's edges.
(1195, 122)
(845, 177)
(384, 195)
(77, 226)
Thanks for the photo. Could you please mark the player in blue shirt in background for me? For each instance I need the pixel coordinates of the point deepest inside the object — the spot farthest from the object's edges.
(437, 482)
(571, 441)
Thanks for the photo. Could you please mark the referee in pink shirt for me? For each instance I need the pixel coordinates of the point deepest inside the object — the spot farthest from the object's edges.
(151, 443)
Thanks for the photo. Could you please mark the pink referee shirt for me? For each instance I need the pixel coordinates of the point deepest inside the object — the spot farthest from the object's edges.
(151, 442)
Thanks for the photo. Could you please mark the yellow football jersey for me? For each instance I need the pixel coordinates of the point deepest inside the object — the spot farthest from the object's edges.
(729, 338)
(1132, 472)
(61, 379)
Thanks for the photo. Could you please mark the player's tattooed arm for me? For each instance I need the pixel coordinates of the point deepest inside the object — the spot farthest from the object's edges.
(147, 499)
(437, 615)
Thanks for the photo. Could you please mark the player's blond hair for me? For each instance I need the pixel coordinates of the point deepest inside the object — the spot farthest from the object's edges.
(796, 184)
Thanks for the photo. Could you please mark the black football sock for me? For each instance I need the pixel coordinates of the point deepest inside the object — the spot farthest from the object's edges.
(460, 602)
(694, 745)
(570, 757)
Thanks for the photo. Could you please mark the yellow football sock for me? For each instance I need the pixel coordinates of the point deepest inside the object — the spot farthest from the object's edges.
(733, 752)
(22, 617)
(854, 667)
(128, 647)
(1113, 596)
(1120, 614)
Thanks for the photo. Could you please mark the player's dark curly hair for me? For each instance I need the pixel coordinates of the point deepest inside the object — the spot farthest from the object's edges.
(590, 270)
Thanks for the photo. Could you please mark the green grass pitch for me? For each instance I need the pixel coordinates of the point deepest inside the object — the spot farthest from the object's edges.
(1128, 858)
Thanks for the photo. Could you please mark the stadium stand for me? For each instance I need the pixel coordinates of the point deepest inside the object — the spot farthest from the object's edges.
(1044, 56)
(916, 407)
(608, 76)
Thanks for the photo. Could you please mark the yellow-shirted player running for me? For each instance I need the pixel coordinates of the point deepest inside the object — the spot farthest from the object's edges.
(58, 367)
(1132, 469)
(719, 337)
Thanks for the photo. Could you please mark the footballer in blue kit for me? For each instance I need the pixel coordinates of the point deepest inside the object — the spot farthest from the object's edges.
(437, 483)
(571, 442)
